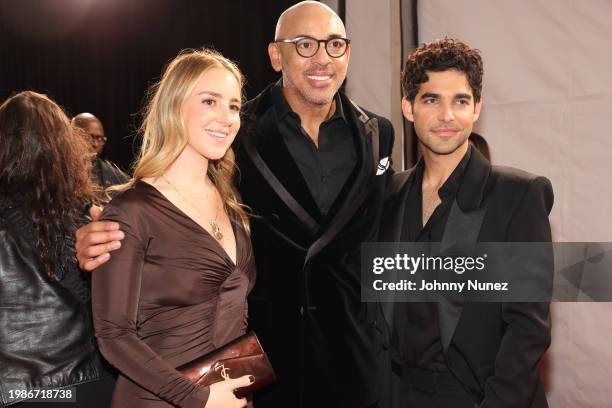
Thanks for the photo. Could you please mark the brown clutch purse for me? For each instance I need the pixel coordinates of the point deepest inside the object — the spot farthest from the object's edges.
(242, 356)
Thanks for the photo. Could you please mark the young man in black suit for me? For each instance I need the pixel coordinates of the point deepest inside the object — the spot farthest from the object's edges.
(454, 354)
(313, 169)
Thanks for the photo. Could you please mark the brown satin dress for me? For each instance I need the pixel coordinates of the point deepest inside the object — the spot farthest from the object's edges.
(168, 295)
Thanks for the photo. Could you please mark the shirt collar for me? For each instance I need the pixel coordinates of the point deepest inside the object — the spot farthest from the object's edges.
(453, 182)
(451, 186)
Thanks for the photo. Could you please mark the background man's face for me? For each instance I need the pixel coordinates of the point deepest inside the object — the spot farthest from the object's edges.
(443, 112)
(95, 132)
(313, 80)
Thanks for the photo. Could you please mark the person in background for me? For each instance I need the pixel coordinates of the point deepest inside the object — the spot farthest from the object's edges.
(46, 331)
(104, 172)
(176, 288)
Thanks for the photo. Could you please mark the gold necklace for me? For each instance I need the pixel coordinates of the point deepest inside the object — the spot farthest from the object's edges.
(214, 226)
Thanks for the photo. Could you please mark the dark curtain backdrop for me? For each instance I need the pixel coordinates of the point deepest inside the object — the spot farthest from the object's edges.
(100, 56)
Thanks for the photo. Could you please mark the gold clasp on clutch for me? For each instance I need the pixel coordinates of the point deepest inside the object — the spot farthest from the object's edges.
(224, 372)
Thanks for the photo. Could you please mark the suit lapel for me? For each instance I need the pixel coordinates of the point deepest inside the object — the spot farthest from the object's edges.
(267, 150)
(400, 187)
(460, 227)
(463, 225)
(366, 129)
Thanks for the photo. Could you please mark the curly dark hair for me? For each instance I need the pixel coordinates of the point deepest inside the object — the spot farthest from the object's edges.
(442, 55)
(45, 167)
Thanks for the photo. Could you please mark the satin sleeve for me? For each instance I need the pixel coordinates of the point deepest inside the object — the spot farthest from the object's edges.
(116, 287)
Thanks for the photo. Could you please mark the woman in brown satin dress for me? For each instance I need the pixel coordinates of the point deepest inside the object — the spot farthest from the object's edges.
(177, 287)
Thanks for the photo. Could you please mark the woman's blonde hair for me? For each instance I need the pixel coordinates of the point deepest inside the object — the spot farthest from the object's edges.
(163, 130)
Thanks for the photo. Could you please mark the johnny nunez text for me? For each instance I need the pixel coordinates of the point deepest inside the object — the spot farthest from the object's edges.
(470, 285)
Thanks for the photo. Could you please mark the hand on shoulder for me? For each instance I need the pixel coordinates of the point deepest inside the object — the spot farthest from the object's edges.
(96, 240)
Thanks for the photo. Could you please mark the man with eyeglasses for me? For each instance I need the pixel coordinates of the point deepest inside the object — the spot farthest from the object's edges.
(308, 160)
(313, 170)
(104, 172)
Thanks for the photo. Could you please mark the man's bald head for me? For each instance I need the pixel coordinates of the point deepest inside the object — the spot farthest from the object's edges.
(83, 119)
(93, 128)
(306, 11)
(309, 82)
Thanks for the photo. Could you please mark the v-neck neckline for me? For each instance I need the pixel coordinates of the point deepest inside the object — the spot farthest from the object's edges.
(182, 213)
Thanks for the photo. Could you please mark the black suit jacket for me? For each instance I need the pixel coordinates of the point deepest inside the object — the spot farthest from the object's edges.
(494, 349)
(322, 341)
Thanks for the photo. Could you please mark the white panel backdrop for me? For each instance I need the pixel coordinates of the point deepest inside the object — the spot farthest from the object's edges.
(548, 109)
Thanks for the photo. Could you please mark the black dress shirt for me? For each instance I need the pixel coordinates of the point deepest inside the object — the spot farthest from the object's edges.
(424, 348)
(326, 168)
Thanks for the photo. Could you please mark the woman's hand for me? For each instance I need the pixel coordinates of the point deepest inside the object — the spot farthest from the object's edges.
(222, 393)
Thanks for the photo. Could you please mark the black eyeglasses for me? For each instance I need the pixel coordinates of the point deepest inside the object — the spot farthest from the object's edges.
(98, 138)
(307, 46)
